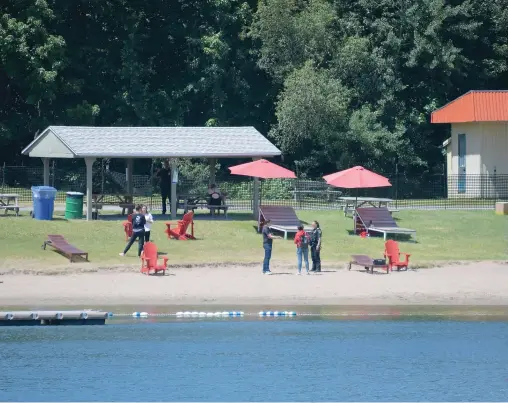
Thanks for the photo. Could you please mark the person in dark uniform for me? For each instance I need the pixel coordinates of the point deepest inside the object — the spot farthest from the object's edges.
(164, 175)
(268, 238)
(315, 247)
(138, 231)
(214, 196)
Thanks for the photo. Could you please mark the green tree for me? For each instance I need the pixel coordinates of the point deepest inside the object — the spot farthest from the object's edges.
(31, 57)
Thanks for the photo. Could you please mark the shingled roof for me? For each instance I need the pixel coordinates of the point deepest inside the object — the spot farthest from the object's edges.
(148, 142)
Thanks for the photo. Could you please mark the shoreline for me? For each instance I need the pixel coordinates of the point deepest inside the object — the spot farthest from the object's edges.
(477, 284)
(36, 268)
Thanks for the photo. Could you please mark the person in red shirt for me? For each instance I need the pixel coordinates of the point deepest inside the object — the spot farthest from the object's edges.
(302, 241)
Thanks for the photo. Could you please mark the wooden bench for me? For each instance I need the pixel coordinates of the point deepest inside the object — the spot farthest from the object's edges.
(215, 209)
(60, 244)
(127, 206)
(367, 262)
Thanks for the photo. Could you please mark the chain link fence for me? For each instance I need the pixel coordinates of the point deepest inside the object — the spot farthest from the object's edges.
(421, 192)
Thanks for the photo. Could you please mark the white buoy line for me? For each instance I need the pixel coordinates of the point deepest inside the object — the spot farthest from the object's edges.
(286, 314)
(197, 314)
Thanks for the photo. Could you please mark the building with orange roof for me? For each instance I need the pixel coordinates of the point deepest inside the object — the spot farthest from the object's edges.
(477, 150)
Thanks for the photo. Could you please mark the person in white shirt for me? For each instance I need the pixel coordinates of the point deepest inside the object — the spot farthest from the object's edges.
(149, 222)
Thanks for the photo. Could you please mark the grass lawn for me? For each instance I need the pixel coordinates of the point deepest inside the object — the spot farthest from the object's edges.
(441, 235)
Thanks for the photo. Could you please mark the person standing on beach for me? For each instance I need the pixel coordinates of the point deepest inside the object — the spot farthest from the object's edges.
(302, 241)
(164, 175)
(315, 247)
(268, 238)
(149, 222)
(138, 231)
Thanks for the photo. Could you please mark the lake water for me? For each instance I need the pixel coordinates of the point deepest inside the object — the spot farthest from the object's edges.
(257, 360)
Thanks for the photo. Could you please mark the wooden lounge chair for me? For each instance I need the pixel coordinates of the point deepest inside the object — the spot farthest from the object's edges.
(127, 227)
(149, 260)
(282, 218)
(180, 232)
(378, 219)
(392, 253)
(60, 244)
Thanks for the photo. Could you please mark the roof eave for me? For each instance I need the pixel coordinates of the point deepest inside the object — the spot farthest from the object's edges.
(176, 155)
(466, 121)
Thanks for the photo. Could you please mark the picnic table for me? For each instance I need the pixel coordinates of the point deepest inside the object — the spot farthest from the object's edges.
(192, 202)
(9, 201)
(123, 201)
(352, 203)
(329, 194)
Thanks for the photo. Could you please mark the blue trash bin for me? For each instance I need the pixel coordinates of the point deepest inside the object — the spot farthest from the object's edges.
(44, 202)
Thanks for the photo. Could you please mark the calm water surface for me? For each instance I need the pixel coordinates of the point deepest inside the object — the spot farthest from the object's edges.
(256, 360)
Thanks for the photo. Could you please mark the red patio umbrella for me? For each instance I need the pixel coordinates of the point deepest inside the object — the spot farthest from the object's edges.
(262, 169)
(356, 178)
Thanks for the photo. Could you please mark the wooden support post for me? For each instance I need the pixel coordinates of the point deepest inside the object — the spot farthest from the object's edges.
(255, 196)
(89, 187)
(129, 172)
(174, 180)
(128, 175)
(211, 179)
(45, 162)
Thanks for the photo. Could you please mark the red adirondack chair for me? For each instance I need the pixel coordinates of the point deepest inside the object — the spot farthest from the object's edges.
(180, 232)
(392, 253)
(149, 260)
(127, 227)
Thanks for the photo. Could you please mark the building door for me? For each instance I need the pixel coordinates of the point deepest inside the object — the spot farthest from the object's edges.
(462, 164)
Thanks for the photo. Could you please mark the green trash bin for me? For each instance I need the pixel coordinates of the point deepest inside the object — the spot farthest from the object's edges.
(74, 205)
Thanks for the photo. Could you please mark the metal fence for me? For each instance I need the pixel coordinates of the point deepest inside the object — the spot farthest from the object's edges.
(418, 192)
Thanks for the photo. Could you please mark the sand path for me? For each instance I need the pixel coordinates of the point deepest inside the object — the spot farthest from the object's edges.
(484, 283)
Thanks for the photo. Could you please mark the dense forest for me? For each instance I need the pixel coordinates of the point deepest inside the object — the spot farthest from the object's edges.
(332, 82)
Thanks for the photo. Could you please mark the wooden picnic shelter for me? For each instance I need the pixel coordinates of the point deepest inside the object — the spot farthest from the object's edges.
(129, 143)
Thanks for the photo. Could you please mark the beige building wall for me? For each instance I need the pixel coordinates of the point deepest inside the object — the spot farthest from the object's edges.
(486, 158)
(449, 159)
(494, 148)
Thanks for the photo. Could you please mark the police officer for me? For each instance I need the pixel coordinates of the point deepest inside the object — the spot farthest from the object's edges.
(315, 247)
(268, 238)
(164, 175)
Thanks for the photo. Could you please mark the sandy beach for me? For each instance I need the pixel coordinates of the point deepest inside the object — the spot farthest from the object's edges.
(481, 283)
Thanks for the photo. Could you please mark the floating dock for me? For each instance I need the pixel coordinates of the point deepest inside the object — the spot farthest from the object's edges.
(52, 318)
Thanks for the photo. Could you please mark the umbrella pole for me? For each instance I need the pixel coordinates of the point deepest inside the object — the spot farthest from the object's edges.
(356, 206)
(255, 197)
(260, 192)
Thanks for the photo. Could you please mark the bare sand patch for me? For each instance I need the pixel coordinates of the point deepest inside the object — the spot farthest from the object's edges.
(472, 283)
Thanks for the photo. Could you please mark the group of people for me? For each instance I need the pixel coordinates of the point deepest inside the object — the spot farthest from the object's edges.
(303, 241)
(142, 222)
